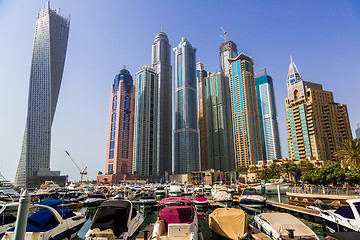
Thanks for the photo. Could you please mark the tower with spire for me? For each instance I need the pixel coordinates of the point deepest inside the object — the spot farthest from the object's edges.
(294, 75)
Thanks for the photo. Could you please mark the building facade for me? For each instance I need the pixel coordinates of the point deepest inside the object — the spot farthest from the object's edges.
(121, 125)
(294, 75)
(201, 75)
(47, 66)
(316, 125)
(227, 50)
(267, 115)
(161, 62)
(186, 133)
(219, 124)
(145, 153)
(245, 117)
(357, 131)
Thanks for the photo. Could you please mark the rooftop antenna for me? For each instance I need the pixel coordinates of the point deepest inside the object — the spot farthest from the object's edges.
(124, 66)
(224, 32)
(161, 28)
(291, 58)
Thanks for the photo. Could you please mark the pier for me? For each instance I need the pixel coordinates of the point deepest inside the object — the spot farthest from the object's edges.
(302, 212)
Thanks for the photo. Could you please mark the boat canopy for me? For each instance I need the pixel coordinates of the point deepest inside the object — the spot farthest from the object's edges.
(175, 199)
(7, 218)
(112, 215)
(283, 221)
(52, 202)
(176, 214)
(229, 222)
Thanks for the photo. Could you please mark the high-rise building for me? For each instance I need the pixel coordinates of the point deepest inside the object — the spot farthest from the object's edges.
(245, 116)
(121, 125)
(186, 134)
(145, 154)
(267, 115)
(161, 62)
(294, 75)
(219, 124)
(316, 125)
(227, 50)
(50, 43)
(357, 131)
(201, 75)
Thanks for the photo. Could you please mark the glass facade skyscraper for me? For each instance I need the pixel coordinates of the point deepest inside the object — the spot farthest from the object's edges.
(145, 156)
(49, 50)
(245, 117)
(161, 62)
(227, 50)
(121, 122)
(220, 145)
(267, 115)
(186, 135)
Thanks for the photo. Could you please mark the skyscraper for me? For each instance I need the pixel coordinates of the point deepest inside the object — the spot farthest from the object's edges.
(267, 115)
(201, 75)
(294, 75)
(245, 116)
(50, 43)
(161, 62)
(219, 124)
(121, 125)
(186, 134)
(227, 50)
(316, 125)
(357, 131)
(145, 156)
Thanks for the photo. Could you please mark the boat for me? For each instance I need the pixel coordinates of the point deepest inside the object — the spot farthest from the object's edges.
(251, 198)
(9, 191)
(177, 220)
(175, 191)
(283, 226)
(115, 219)
(160, 190)
(272, 187)
(95, 200)
(231, 223)
(147, 202)
(201, 202)
(343, 219)
(343, 236)
(221, 196)
(7, 220)
(50, 223)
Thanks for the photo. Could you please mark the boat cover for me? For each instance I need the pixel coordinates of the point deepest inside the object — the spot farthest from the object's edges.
(6, 218)
(282, 221)
(343, 236)
(112, 217)
(228, 222)
(176, 214)
(175, 199)
(53, 202)
(201, 200)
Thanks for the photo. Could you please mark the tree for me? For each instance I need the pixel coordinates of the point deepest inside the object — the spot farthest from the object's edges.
(100, 172)
(349, 153)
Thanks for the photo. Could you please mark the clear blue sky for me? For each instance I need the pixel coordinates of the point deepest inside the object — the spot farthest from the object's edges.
(322, 36)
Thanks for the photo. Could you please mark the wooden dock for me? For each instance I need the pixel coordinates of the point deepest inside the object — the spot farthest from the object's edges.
(295, 210)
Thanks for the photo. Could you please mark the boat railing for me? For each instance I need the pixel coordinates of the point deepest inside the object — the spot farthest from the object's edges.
(322, 190)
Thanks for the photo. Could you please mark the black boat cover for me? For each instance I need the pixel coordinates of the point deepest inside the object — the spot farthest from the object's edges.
(112, 215)
(343, 236)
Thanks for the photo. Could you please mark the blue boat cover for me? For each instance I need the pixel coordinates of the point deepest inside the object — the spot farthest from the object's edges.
(44, 220)
(53, 202)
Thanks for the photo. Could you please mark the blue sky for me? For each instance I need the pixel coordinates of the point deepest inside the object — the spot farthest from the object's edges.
(322, 36)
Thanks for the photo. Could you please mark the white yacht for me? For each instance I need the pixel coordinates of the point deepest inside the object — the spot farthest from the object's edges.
(115, 219)
(175, 191)
(343, 219)
(221, 195)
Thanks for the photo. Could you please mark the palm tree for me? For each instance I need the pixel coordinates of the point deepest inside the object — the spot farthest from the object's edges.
(349, 153)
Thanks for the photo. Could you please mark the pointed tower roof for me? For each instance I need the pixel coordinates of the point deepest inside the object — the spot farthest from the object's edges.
(294, 75)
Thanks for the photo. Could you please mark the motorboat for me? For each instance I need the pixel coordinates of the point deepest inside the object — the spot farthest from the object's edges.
(177, 220)
(201, 202)
(283, 226)
(7, 220)
(231, 223)
(9, 191)
(75, 196)
(50, 223)
(95, 200)
(272, 187)
(147, 202)
(160, 190)
(343, 236)
(343, 219)
(251, 198)
(221, 196)
(115, 219)
(175, 191)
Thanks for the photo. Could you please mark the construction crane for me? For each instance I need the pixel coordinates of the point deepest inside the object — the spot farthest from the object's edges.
(83, 172)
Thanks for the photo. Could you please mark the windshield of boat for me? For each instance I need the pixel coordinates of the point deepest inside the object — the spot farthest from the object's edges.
(114, 218)
(347, 212)
(98, 196)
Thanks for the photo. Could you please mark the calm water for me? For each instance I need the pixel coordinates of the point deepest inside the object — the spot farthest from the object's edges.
(151, 215)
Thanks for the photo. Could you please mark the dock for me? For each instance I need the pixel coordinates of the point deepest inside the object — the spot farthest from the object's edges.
(302, 212)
